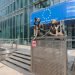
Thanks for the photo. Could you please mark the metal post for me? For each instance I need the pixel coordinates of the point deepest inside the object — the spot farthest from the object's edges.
(28, 23)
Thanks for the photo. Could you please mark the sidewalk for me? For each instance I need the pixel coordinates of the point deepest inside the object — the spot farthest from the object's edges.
(71, 57)
(5, 70)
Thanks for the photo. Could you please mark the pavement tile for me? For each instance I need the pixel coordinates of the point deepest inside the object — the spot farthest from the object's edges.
(5, 70)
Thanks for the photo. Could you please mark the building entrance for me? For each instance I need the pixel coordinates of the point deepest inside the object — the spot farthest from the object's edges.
(70, 29)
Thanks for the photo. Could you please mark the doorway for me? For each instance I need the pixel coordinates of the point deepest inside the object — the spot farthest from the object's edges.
(70, 30)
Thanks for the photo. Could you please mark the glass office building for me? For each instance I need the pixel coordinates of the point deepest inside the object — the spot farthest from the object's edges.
(15, 17)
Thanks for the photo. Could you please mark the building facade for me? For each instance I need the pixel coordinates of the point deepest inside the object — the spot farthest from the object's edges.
(15, 17)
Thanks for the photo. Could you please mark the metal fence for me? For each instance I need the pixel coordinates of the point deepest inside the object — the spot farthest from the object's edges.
(8, 43)
(8, 46)
(13, 44)
(49, 56)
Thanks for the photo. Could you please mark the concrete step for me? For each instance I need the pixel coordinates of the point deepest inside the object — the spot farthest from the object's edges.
(17, 68)
(28, 52)
(23, 56)
(19, 64)
(21, 60)
(23, 53)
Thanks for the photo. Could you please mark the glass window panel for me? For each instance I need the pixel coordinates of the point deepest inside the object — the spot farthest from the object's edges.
(25, 31)
(7, 30)
(17, 26)
(56, 1)
(10, 27)
(3, 29)
(8, 9)
(25, 2)
(30, 1)
(17, 3)
(21, 3)
(14, 6)
(14, 27)
(11, 8)
(62, 0)
(0, 30)
(26, 16)
(21, 28)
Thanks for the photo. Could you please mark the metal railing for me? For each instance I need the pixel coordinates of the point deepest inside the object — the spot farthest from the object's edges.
(13, 44)
(8, 43)
(8, 46)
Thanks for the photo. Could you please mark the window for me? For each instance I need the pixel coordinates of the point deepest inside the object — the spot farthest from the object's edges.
(26, 16)
(14, 6)
(25, 23)
(21, 3)
(56, 1)
(14, 28)
(7, 29)
(51, 1)
(0, 30)
(62, 0)
(10, 27)
(17, 4)
(11, 8)
(42, 4)
(25, 2)
(21, 21)
(8, 9)
(21, 28)
(30, 1)
(17, 26)
(3, 29)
